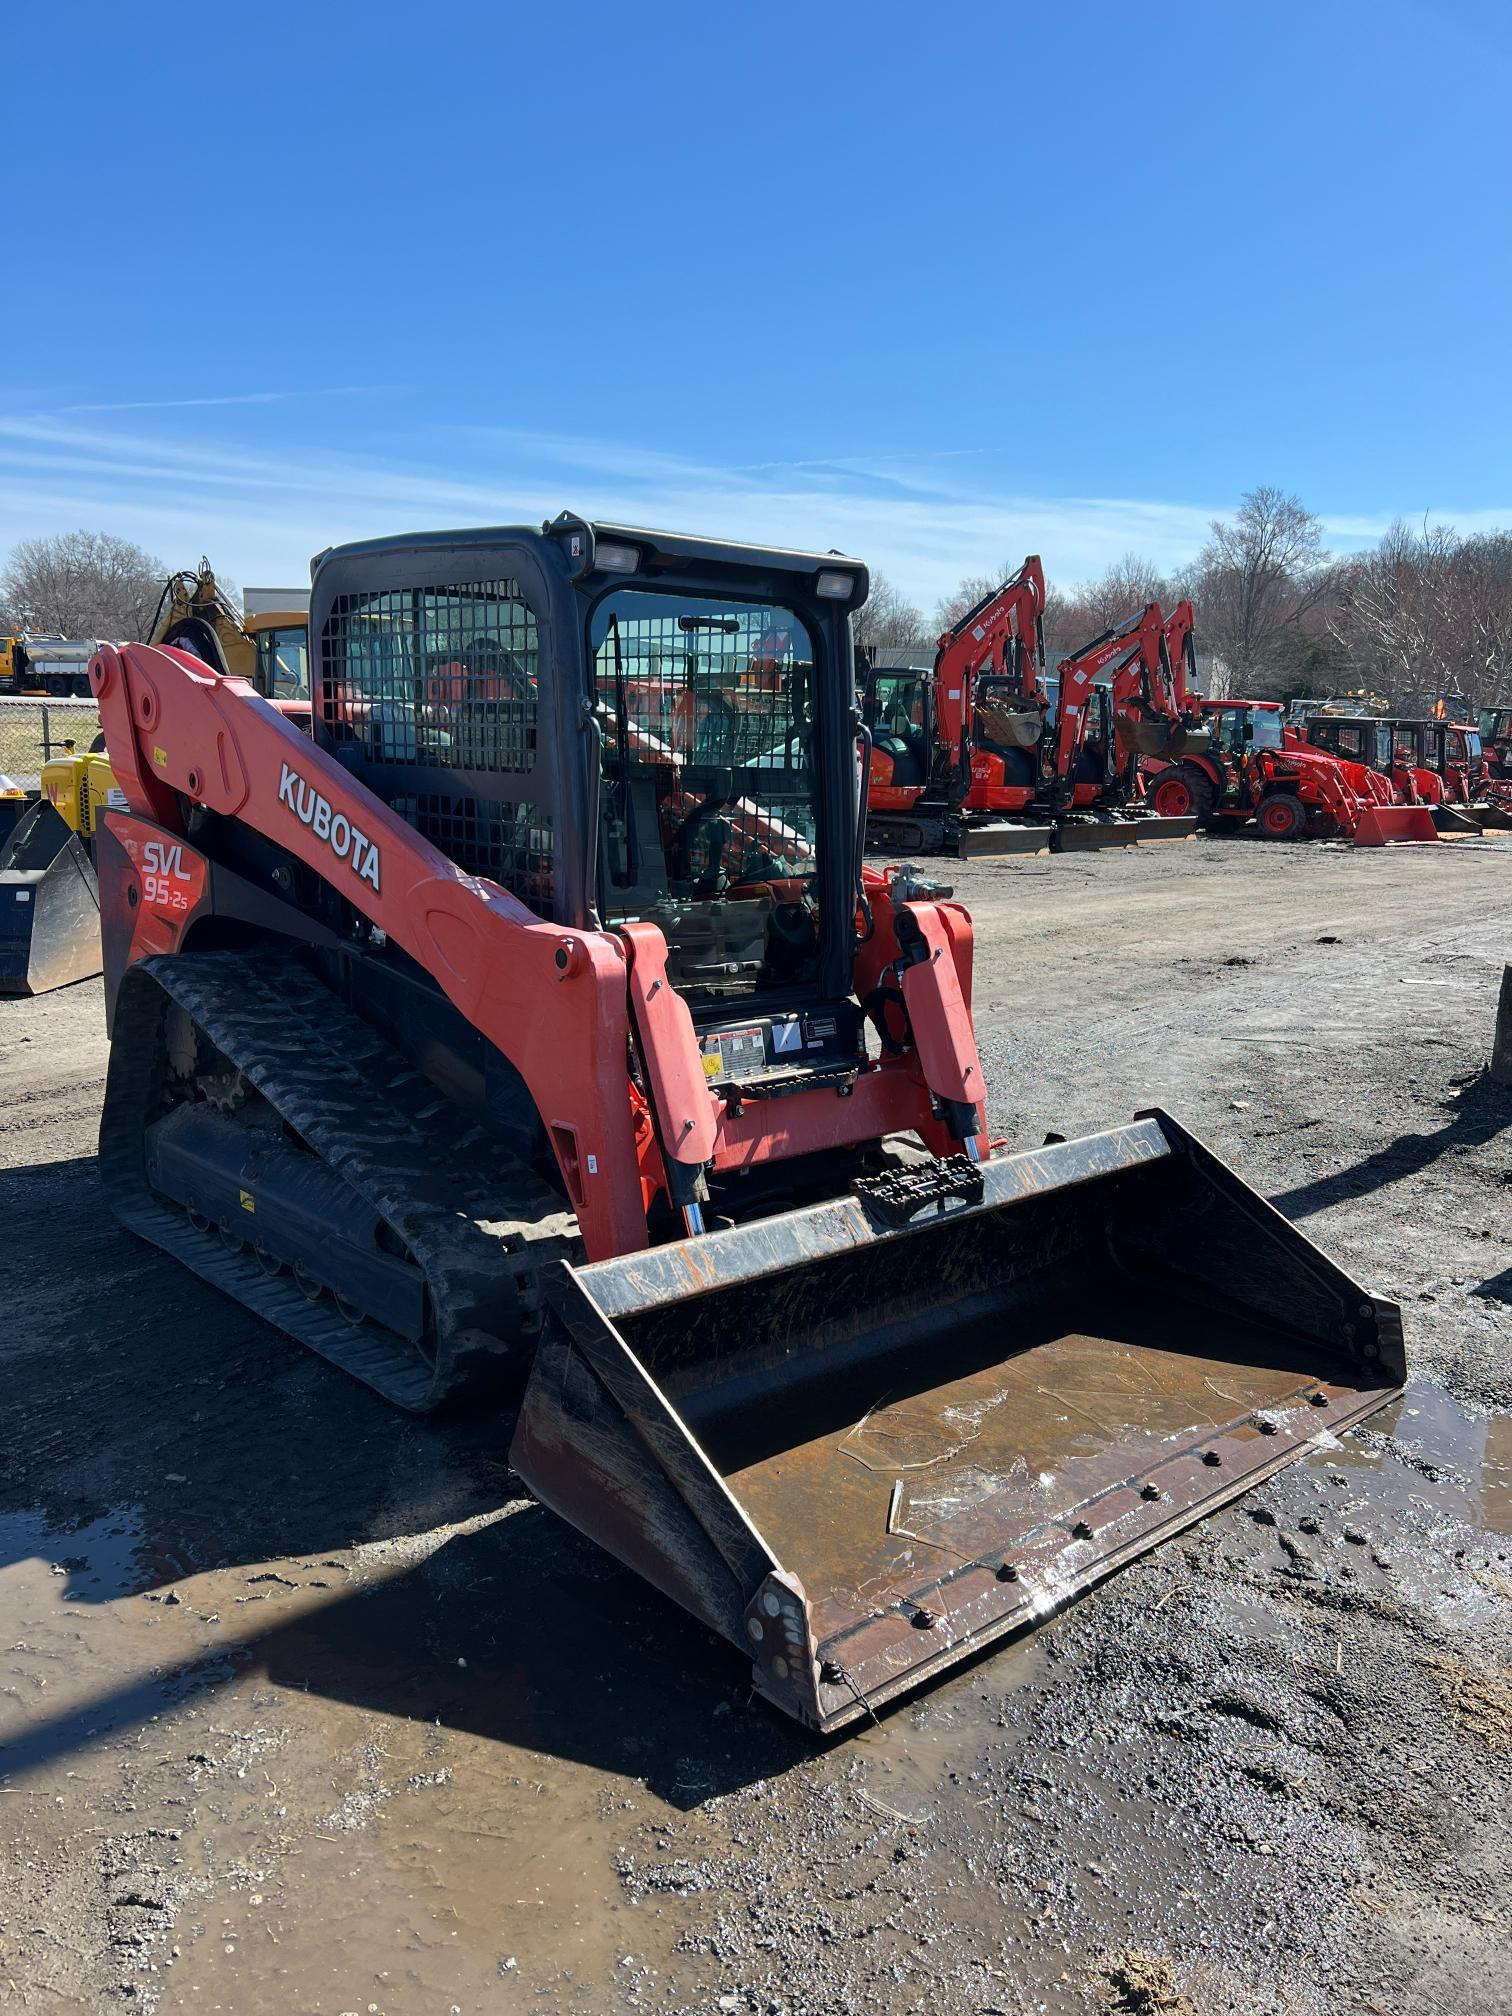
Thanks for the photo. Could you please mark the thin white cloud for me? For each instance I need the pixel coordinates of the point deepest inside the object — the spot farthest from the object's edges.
(226, 399)
(260, 509)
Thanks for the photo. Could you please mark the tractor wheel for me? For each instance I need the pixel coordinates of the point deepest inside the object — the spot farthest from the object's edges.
(1183, 792)
(1281, 817)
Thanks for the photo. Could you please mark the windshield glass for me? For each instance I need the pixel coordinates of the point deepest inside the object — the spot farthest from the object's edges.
(897, 703)
(709, 822)
(1265, 730)
(282, 661)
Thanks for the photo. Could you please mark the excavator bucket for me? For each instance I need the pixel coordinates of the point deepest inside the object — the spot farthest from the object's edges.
(865, 1439)
(1387, 825)
(49, 905)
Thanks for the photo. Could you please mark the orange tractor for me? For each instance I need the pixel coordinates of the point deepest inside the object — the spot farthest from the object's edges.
(527, 1035)
(1293, 789)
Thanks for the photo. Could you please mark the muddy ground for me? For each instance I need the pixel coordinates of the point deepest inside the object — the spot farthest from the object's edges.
(303, 1711)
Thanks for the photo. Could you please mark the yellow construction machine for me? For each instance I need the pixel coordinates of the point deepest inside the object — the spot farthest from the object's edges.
(268, 649)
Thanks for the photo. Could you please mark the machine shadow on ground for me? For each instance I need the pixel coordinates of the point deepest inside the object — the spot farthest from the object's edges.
(516, 1633)
(225, 1447)
(1481, 1112)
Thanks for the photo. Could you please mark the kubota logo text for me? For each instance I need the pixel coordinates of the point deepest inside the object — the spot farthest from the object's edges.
(346, 841)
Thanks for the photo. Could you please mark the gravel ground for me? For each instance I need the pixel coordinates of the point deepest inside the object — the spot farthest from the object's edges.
(303, 1711)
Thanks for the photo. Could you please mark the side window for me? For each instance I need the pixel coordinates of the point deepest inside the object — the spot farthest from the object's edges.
(282, 670)
(439, 687)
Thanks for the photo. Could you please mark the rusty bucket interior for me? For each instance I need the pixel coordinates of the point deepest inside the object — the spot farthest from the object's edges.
(862, 1446)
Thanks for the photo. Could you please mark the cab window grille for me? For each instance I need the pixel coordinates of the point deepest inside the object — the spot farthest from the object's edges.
(509, 842)
(728, 690)
(438, 676)
(438, 685)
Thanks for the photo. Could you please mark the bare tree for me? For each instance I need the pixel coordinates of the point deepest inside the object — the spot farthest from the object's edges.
(81, 584)
(971, 589)
(1090, 607)
(1260, 573)
(1429, 613)
(889, 619)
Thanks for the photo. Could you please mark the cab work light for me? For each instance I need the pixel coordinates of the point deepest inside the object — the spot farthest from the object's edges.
(835, 587)
(612, 559)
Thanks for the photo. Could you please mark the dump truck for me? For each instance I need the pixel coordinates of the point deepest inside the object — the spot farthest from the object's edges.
(55, 667)
(532, 1038)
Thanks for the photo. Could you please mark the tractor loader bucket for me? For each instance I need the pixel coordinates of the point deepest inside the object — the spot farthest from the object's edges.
(1489, 815)
(1454, 819)
(1387, 825)
(861, 1444)
(49, 905)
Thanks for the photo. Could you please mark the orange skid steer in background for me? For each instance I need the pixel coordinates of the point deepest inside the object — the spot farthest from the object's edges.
(531, 1028)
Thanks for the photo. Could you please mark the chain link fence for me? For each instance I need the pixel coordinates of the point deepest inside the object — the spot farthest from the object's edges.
(33, 730)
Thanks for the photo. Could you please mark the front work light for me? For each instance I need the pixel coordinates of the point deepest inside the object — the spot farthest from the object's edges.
(835, 587)
(612, 559)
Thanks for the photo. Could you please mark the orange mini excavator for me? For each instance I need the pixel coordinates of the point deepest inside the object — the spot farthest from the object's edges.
(928, 762)
(528, 1035)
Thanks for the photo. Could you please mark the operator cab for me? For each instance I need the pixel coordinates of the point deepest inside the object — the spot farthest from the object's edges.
(283, 663)
(899, 711)
(620, 726)
(1366, 740)
(1241, 725)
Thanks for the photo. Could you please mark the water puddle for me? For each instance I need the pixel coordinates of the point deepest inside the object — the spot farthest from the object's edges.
(1428, 1452)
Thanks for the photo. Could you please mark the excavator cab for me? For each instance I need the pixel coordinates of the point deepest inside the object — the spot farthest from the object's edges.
(536, 1025)
(898, 707)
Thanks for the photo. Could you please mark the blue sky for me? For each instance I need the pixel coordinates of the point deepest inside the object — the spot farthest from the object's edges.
(933, 285)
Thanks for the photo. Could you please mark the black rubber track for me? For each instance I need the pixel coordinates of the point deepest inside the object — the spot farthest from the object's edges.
(477, 1221)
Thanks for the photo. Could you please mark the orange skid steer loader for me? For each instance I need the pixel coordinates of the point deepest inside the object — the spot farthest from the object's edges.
(529, 1036)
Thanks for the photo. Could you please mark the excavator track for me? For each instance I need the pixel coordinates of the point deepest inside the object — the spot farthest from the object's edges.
(299, 1081)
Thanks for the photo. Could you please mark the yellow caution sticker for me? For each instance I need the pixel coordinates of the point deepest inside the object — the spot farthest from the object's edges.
(160, 757)
(247, 1201)
(713, 1064)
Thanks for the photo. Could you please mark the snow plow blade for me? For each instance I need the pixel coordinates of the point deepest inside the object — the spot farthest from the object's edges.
(1072, 836)
(861, 1444)
(1388, 825)
(49, 905)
